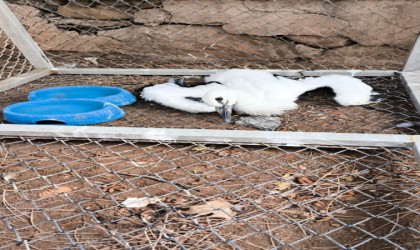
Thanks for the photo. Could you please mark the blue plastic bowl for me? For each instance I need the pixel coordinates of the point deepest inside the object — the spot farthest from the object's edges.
(68, 112)
(117, 96)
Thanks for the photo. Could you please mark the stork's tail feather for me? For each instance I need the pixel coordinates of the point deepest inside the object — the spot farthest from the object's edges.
(377, 97)
(407, 125)
(180, 82)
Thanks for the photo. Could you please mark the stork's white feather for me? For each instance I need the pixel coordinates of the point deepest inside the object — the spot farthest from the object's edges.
(348, 90)
(256, 92)
(259, 92)
(174, 96)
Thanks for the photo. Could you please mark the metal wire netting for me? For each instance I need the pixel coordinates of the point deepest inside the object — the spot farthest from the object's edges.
(61, 194)
(12, 62)
(222, 34)
(317, 112)
(71, 194)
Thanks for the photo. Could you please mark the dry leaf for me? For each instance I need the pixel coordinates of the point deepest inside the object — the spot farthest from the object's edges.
(340, 211)
(304, 180)
(230, 151)
(217, 208)
(199, 148)
(348, 193)
(347, 178)
(139, 202)
(323, 219)
(238, 208)
(55, 191)
(9, 176)
(182, 239)
(283, 185)
(92, 60)
(285, 176)
(413, 173)
(379, 177)
(114, 187)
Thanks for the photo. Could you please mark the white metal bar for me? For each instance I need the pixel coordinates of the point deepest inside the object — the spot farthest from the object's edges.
(411, 81)
(413, 60)
(209, 136)
(416, 149)
(119, 71)
(16, 81)
(18, 35)
(351, 72)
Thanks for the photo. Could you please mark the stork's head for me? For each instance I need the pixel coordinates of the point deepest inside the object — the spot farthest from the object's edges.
(223, 101)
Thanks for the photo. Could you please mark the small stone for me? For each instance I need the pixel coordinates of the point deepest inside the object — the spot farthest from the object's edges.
(260, 122)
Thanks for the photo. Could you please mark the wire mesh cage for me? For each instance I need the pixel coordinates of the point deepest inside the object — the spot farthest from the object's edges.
(222, 34)
(66, 193)
(12, 60)
(307, 185)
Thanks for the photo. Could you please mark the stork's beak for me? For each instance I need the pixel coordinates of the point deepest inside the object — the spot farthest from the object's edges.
(225, 112)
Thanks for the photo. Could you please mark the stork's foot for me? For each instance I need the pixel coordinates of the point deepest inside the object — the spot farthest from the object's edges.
(180, 82)
(407, 124)
(376, 97)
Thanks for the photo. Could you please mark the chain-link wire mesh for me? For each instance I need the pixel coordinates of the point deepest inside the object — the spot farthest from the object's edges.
(223, 34)
(12, 62)
(69, 194)
(318, 112)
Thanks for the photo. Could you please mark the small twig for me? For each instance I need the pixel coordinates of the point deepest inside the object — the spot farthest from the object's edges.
(112, 236)
(269, 232)
(31, 219)
(145, 176)
(75, 234)
(7, 205)
(198, 242)
(147, 237)
(252, 244)
(5, 156)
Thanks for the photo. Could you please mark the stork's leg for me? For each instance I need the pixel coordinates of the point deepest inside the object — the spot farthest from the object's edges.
(377, 97)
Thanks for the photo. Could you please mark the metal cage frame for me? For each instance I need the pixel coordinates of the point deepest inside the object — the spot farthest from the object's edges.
(410, 76)
(42, 67)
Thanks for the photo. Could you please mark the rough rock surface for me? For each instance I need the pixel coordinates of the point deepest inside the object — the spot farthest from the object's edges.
(379, 57)
(97, 12)
(342, 34)
(308, 52)
(190, 42)
(321, 42)
(90, 24)
(368, 22)
(151, 17)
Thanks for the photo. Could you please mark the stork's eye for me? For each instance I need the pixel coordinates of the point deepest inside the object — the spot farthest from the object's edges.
(219, 99)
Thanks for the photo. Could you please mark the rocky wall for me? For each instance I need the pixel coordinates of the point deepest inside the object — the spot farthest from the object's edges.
(329, 34)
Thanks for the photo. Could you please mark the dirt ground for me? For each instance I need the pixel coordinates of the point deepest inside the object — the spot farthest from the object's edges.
(68, 194)
(317, 111)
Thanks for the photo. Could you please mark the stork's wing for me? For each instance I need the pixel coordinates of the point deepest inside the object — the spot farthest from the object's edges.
(349, 90)
(174, 96)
